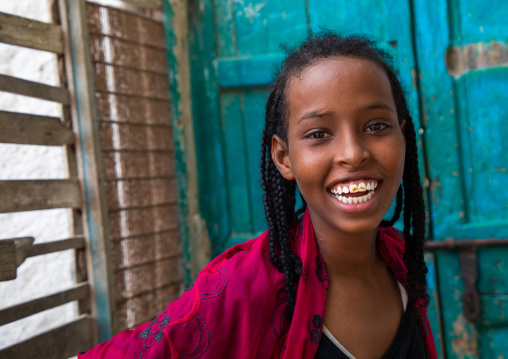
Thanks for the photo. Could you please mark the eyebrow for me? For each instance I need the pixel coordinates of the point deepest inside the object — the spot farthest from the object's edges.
(374, 106)
(312, 114)
(378, 106)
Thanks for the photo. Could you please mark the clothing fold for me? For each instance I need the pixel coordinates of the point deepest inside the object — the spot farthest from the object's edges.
(237, 306)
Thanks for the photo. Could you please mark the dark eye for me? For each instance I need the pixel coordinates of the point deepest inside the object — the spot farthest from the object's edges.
(317, 135)
(376, 127)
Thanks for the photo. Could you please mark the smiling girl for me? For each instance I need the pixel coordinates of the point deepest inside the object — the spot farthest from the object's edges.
(337, 281)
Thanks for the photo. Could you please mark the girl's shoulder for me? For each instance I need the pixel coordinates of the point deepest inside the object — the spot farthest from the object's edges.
(235, 304)
(247, 263)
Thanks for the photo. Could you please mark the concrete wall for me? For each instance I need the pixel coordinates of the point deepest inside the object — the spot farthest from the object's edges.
(46, 274)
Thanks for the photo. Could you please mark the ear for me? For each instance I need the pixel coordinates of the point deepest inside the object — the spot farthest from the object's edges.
(403, 130)
(280, 156)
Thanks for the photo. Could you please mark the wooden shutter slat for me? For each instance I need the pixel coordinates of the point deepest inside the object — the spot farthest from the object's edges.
(151, 4)
(55, 246)
(29, 308)
(24, 32)
(62, 342)
(28, 129)
(8, 262)
(29, 195)
(34, 89)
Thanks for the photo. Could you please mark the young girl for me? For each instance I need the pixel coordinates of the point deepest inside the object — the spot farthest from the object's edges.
(337, 281)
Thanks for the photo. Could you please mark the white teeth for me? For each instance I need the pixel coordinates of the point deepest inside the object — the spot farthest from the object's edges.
(354, 200)
(368, 187)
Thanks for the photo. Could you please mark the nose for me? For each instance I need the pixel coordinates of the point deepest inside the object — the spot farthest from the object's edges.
(350, 151)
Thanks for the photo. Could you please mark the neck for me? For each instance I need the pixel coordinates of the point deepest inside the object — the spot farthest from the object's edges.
(349, 255)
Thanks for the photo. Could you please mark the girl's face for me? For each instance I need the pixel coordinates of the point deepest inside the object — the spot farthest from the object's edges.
(345, 145)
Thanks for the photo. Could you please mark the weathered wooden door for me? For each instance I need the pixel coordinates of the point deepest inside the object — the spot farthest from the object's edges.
(234, 49)
(462, 58)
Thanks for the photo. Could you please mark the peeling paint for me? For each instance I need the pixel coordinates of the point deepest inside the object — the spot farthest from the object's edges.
(481, 55)
(464, 344)
(252, 11)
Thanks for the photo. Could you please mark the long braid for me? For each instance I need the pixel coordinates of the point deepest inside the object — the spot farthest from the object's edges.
(279, 193)
(413, 257)
(279, 203)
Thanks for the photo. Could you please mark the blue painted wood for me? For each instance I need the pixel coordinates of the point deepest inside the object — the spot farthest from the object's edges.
(95, 212)
(213, 197)
(238, 179)
(179, 142)
(254, 108)
(246, 71)
(261, 26)
(433, 311)
(458, 115)
(464, 119)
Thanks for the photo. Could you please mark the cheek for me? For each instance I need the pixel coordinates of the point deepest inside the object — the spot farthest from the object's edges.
(398, 158)
(306, 167)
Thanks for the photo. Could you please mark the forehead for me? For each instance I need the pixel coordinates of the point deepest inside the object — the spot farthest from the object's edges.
(341, 79)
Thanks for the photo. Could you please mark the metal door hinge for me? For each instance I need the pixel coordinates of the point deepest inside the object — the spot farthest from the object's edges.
(469, 274)
(468, 268)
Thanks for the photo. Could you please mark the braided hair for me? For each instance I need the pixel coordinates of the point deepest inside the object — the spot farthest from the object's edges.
(279, 193)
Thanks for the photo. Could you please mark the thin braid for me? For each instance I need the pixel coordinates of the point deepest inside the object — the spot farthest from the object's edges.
(279, 203)
(413, 257)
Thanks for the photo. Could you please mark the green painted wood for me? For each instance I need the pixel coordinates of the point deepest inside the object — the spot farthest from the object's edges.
(213, 198)
(463, 153)
(246, 71)
(433, 311)
(178, 138)
(233, 63)
(237, 173)
(484, 157)
(494, 311)
(254, 109)
(261, 26)
(480, 21)
(226, 41)
(492, 342)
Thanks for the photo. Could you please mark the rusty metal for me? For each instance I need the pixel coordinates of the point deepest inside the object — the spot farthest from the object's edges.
(468, 268)
(469, 274)
(480, 55)
(458, 244)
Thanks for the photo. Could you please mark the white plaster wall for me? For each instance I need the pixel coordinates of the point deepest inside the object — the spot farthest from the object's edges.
(43, 275)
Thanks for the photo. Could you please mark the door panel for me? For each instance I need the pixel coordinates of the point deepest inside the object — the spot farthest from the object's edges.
(247, 38)
(234, 48)
(464, 107)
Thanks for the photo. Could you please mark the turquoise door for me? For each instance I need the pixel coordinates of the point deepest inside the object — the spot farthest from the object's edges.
(462, 58)
(234, 49)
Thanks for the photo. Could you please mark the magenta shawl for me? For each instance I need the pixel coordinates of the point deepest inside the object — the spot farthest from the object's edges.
(236, 307)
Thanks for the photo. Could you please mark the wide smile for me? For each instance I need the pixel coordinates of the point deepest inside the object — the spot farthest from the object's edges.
(355, 192)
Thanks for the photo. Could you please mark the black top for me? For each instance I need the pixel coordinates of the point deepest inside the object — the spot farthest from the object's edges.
(408, 342)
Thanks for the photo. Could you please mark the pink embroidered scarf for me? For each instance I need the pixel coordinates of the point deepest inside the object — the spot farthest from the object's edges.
(236, 307)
